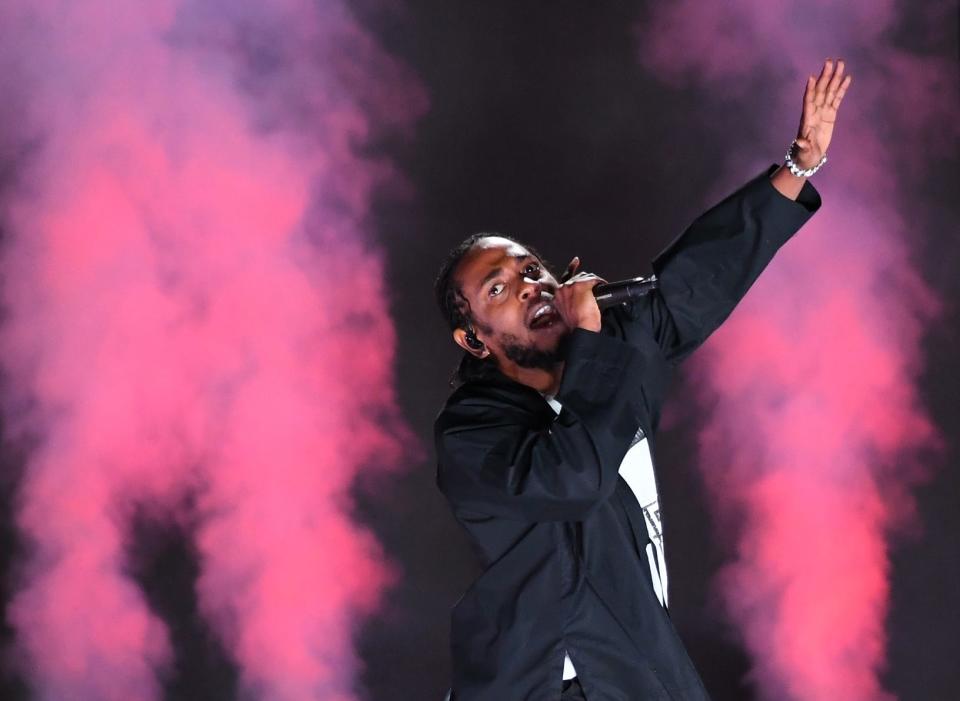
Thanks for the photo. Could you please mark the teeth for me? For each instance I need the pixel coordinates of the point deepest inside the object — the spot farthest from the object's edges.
(543, 310)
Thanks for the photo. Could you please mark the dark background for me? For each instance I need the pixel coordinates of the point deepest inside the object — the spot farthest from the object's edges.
(543, 125)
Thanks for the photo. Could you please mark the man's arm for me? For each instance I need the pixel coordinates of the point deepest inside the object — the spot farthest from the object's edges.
(491, 461)
(708, 269)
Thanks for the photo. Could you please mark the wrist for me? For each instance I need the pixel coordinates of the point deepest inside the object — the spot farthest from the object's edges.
(804, 165)
(786, 183)
(591, 324)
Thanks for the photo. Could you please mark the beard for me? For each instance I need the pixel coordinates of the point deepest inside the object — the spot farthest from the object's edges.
(529, 356)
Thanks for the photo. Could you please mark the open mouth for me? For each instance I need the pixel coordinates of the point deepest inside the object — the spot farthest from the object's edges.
(543, 317)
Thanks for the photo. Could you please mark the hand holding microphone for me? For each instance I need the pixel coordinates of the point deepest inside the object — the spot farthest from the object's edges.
(610, 294)
(575, 300)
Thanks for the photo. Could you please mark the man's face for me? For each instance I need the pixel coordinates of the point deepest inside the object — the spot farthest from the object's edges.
(509, 292)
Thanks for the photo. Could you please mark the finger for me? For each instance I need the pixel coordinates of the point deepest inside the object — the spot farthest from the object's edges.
(825, 74)
(842, 91)
(571, 268)
(805, 136)
(835, 82)
(588, 279)
(580, 277)
(809, 91)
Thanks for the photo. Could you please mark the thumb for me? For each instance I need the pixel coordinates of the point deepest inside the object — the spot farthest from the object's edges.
(803, 144)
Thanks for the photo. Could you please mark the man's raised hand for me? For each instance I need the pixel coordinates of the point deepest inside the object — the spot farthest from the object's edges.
(821, 100)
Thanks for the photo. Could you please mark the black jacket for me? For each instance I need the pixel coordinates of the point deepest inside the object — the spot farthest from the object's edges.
(560, 533)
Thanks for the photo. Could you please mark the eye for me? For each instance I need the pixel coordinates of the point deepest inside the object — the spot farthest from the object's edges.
(532, 267)
(496, 289)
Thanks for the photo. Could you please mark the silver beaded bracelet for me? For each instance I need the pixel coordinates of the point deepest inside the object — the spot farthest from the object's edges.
(796, 170)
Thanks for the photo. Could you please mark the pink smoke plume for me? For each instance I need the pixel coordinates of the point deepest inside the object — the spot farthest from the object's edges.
(194, 303)
(815, 428)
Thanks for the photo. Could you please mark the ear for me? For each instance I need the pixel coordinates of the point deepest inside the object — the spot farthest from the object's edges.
(460, 338)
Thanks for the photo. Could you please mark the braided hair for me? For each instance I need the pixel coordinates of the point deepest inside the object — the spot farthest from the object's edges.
(455, 308)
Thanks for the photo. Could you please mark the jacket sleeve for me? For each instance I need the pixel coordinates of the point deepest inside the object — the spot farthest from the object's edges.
(709, 268)
(492, 459)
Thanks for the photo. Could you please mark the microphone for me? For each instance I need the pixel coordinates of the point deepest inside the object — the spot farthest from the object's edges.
(610, 294)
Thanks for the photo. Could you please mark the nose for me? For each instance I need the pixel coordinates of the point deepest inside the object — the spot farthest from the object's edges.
(530, 288)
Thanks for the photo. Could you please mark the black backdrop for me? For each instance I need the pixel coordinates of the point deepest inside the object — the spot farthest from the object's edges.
(543, 125)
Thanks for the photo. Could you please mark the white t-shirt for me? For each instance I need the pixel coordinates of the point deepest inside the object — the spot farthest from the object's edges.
(637, 471)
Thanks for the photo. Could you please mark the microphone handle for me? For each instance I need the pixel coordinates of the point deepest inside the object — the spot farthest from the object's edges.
(610, 294)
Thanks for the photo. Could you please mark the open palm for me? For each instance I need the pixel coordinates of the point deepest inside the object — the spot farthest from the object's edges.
(821, 100)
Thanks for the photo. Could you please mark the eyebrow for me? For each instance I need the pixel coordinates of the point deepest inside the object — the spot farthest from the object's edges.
(496, 271)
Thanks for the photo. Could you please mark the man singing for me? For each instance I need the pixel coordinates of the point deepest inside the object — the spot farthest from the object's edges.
(545, 448)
